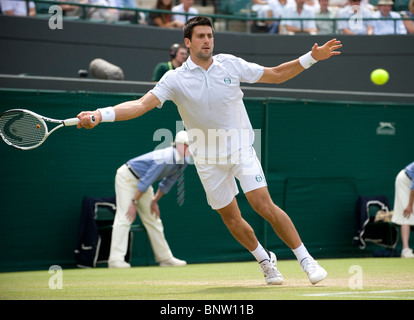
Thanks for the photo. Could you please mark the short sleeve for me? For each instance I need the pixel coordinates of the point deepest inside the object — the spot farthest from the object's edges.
(163, 90)
(249, 72)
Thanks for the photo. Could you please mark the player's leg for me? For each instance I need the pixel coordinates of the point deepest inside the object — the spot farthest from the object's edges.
(262, 203)
(221, 188)
(252, 180)
(237, 226)
(244, 233)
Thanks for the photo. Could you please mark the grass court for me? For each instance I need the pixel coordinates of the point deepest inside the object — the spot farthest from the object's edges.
(348, 279)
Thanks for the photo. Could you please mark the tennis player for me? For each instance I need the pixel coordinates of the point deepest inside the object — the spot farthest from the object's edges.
(206, 90)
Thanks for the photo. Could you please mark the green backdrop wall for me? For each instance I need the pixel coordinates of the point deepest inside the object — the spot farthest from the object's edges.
(318, 157)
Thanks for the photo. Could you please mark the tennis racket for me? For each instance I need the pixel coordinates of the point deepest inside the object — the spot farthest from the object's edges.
(25, 130)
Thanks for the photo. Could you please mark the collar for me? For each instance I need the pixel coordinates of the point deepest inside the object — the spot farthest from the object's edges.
(191, 65)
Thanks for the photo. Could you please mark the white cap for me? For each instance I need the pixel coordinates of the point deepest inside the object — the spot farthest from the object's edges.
(181, 137)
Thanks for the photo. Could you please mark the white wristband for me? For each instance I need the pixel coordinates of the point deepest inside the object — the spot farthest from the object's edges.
(307, 60)
(108, 114)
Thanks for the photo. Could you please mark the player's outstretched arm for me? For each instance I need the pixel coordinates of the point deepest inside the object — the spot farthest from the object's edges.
(123, 111)
(291, 69)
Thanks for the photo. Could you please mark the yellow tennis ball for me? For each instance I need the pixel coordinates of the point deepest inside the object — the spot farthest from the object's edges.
(379, 76)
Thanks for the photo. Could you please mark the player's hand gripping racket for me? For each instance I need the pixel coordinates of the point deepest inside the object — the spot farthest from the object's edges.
(25, 130)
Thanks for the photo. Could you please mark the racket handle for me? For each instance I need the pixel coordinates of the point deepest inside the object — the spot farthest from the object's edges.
(71, 122)
(74, 121)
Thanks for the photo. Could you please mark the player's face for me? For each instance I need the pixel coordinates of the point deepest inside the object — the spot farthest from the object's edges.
(202, 42)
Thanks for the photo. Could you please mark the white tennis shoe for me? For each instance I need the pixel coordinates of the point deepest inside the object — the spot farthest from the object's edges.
(271, 274)
(314, 271)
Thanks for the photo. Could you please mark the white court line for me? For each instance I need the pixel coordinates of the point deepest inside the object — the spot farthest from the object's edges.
(327, 294)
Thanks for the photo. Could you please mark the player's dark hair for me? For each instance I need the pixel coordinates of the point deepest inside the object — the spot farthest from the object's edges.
(194, 22)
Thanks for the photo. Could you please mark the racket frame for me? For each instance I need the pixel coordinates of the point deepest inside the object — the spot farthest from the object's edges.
(42, 119)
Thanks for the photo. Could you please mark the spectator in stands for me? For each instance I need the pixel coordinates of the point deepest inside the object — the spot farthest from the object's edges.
(381, 26)
(404, 206)
(355, 22)
(109, 15)
(312, 4)
(17, 8)
(128, 15)
(178, 55)
(185, 6)
(262, 8)
(277, 7)
(163, 20)
(72, 10)
(134, 192)
(325, 26)
(298, 26)
(338, 3)
(409, 24)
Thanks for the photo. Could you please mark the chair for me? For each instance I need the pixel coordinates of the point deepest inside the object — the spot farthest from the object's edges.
(381, 233)
(95, 233)
(104, 216)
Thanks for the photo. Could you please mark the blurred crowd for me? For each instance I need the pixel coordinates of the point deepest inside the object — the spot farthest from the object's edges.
(333, 16)
(272, 16)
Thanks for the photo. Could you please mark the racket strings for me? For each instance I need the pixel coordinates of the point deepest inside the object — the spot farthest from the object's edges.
(22, 129)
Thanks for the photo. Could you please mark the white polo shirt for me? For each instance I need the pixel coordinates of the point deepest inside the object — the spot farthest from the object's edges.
(291, 12)
(211, 105)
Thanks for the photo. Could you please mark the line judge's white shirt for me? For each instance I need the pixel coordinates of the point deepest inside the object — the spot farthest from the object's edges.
(211, 105)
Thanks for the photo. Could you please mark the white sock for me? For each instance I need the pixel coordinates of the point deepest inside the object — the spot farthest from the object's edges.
(301, 253)
(260, 253)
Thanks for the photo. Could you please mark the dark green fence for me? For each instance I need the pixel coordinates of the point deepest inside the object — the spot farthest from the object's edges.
(318, 157)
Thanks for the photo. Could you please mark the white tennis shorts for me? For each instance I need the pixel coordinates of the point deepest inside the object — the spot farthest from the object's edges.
(218, 178)
(402, 195)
